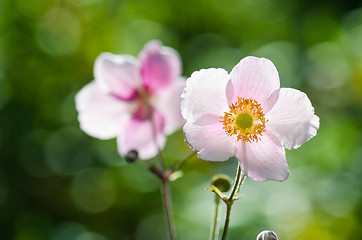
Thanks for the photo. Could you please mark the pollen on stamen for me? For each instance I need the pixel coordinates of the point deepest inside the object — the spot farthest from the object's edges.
(254, 125)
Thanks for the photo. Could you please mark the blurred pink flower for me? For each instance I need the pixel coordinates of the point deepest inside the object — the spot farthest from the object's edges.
(247, 115)
(135, 100)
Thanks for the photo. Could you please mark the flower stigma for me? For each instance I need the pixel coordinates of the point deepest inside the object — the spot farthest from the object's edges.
(245, 119)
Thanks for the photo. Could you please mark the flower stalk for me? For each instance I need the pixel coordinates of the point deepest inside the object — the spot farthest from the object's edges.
(214, 233)
(229, 200)
(164, 176)
(166, 197)
(239, 179)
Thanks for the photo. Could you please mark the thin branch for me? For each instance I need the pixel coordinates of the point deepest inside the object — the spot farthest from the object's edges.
(236, 183)
(227, 220)
(230, 200)
(166, 196)
(215, 221)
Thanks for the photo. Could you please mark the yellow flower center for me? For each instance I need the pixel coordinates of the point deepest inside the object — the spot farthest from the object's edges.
(245, 119)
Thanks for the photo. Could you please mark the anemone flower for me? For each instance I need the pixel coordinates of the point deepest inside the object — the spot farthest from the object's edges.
(247, 115)
(135, 100)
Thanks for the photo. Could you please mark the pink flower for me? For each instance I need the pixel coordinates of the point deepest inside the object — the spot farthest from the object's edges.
(247, 115)
(135, 100)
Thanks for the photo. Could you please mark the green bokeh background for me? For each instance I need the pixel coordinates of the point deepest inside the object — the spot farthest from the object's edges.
(57, 183)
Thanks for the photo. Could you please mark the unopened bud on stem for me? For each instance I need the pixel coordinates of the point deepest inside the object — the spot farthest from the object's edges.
(267, 235)
(131, 156)
(222, 182)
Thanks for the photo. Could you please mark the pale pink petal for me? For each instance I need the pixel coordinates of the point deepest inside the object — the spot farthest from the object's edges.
(207, 137)
(270, 101)
(263, 160)
(205, 94)
(255, 78)
(292, 118)
(143, 135)
(160, 66)
(100, 115)
(118, 75)
(168, 103)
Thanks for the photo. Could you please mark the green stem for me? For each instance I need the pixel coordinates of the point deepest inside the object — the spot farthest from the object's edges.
(166, 196)
(164, 177)
(166, 193)
(227, 220)
(236, 183)
(229, 202)
(215, 222)
(240, 183)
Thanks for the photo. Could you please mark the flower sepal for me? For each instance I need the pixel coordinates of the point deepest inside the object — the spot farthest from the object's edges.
(214, 189)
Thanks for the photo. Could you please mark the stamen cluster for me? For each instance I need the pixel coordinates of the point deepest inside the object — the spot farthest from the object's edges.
(257, 125)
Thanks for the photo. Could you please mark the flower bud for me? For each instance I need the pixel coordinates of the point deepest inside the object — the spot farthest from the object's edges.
(267, 235)
(131, 156)
(222, 182)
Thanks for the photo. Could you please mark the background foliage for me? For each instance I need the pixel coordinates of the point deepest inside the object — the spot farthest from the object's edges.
(58, 183)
